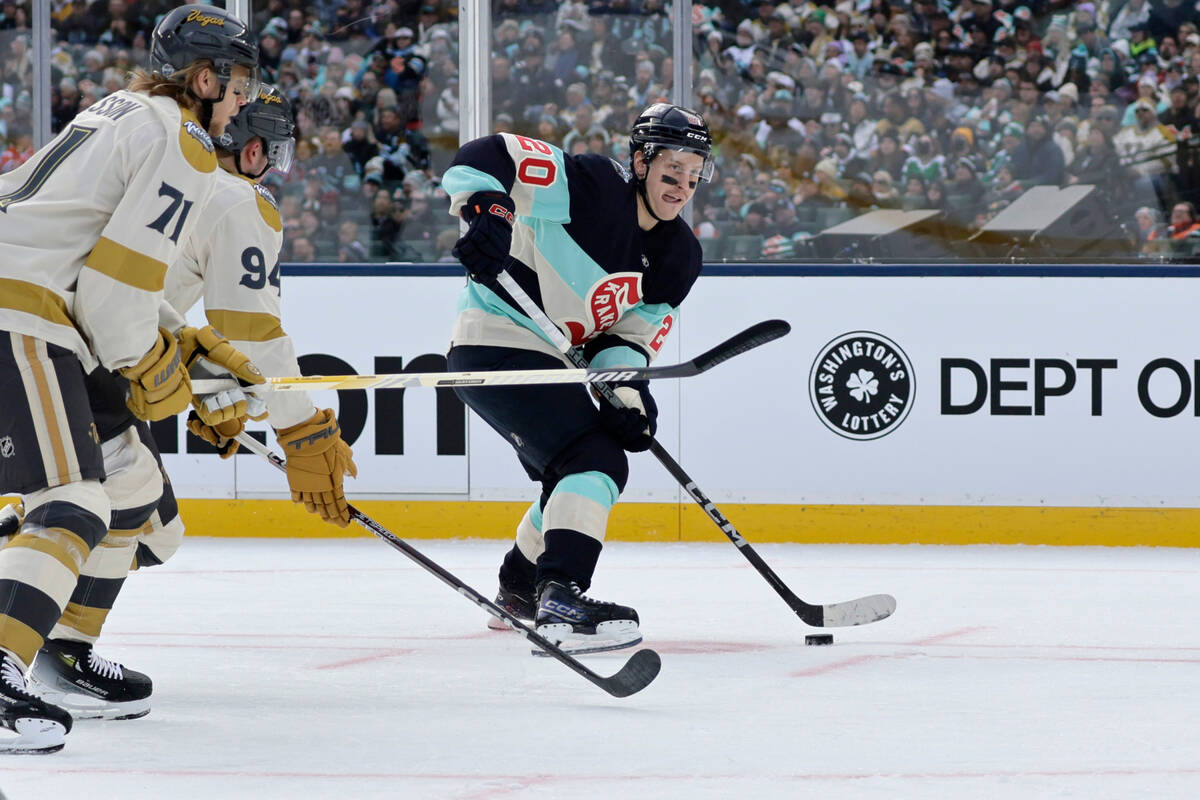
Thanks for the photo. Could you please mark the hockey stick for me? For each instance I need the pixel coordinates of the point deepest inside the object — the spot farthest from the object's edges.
(752, 337)
(641, 668)
(852, 612)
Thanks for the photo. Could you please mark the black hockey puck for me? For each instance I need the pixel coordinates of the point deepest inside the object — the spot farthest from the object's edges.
(819, 638)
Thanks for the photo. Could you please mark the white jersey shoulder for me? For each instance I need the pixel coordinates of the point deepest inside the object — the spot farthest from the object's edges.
(90, 222)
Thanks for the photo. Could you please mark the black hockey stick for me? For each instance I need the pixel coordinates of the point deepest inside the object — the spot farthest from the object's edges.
(752, 337)
(852, 612)
(641, 668)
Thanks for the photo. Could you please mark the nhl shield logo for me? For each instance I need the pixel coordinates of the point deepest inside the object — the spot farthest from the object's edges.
(7, 449)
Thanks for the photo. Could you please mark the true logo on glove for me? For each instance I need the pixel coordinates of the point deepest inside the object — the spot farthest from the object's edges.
(162, 375)
(501, 212)
(327, 433)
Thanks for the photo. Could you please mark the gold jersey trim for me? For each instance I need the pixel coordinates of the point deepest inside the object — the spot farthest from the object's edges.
(196, 144)
(36, 300)
(127, 266)
(245, 326)
(270, 213)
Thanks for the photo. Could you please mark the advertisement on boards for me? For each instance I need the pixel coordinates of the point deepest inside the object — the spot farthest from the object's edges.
(906, 390)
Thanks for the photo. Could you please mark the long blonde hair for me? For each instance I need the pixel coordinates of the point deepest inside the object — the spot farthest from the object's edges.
(175, 87)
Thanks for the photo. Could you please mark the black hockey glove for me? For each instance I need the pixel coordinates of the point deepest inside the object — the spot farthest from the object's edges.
(635, 424)
(483, 249)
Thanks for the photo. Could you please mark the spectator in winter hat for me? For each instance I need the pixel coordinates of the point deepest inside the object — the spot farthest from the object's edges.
(884, 189)
(754, 219)
(1179, 114)
(1147, 89)
(1038, 160)
(860, 194)
(859, 60)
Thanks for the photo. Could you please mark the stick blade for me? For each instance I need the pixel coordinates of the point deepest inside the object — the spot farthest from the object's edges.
(754, 336)
(641, 668)
(862, 611)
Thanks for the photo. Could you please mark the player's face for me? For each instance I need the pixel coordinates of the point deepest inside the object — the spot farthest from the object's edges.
(237, 94)
(671, 181)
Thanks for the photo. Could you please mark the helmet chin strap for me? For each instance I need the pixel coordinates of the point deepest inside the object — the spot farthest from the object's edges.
(641, 188)
(206, 105)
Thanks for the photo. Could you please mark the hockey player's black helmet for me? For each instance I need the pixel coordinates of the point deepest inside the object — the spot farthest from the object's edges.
(192, 33)
(664, 126)
(268, 117)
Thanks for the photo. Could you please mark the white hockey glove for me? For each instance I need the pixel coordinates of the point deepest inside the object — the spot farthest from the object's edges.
(11, 517)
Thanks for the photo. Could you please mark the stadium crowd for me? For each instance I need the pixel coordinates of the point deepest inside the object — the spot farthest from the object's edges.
(820, 111)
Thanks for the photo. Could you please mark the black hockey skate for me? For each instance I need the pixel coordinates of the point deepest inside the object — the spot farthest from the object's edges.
(579, 624)
(39, 726)
(517, 602)
(88, 685)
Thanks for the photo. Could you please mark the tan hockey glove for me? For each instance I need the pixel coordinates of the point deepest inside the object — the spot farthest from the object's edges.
(208, 343)
(220, 436)
(158, 384)
(317, 460)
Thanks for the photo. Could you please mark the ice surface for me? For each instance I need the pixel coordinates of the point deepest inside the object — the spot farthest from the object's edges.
(339, 669)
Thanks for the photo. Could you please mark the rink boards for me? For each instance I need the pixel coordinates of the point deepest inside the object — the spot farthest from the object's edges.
(919, 407)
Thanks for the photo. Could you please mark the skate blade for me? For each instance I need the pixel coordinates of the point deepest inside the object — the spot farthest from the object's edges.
(83, 707)
(35, 736)
(608, 636)
(497, 624)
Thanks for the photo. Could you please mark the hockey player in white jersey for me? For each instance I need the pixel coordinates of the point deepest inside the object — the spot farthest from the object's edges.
(231, 260)
(233, 263)
(88, 226)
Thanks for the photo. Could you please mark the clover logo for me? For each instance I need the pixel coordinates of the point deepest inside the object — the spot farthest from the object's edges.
(862, 385)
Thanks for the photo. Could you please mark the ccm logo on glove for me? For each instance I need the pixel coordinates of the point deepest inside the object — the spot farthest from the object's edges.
(483, 249)
(500, 211)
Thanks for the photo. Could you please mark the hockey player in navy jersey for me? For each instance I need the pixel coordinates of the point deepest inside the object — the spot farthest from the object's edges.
(601, 249)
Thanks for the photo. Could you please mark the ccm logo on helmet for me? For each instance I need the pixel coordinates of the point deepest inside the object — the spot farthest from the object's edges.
(502, 212)
(699, 136)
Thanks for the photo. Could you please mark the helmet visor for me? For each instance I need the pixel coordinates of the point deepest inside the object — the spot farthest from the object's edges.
(687, 169)
(247, 86)
(281, 153)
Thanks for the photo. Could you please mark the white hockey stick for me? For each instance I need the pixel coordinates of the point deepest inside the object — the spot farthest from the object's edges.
(752, 337)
